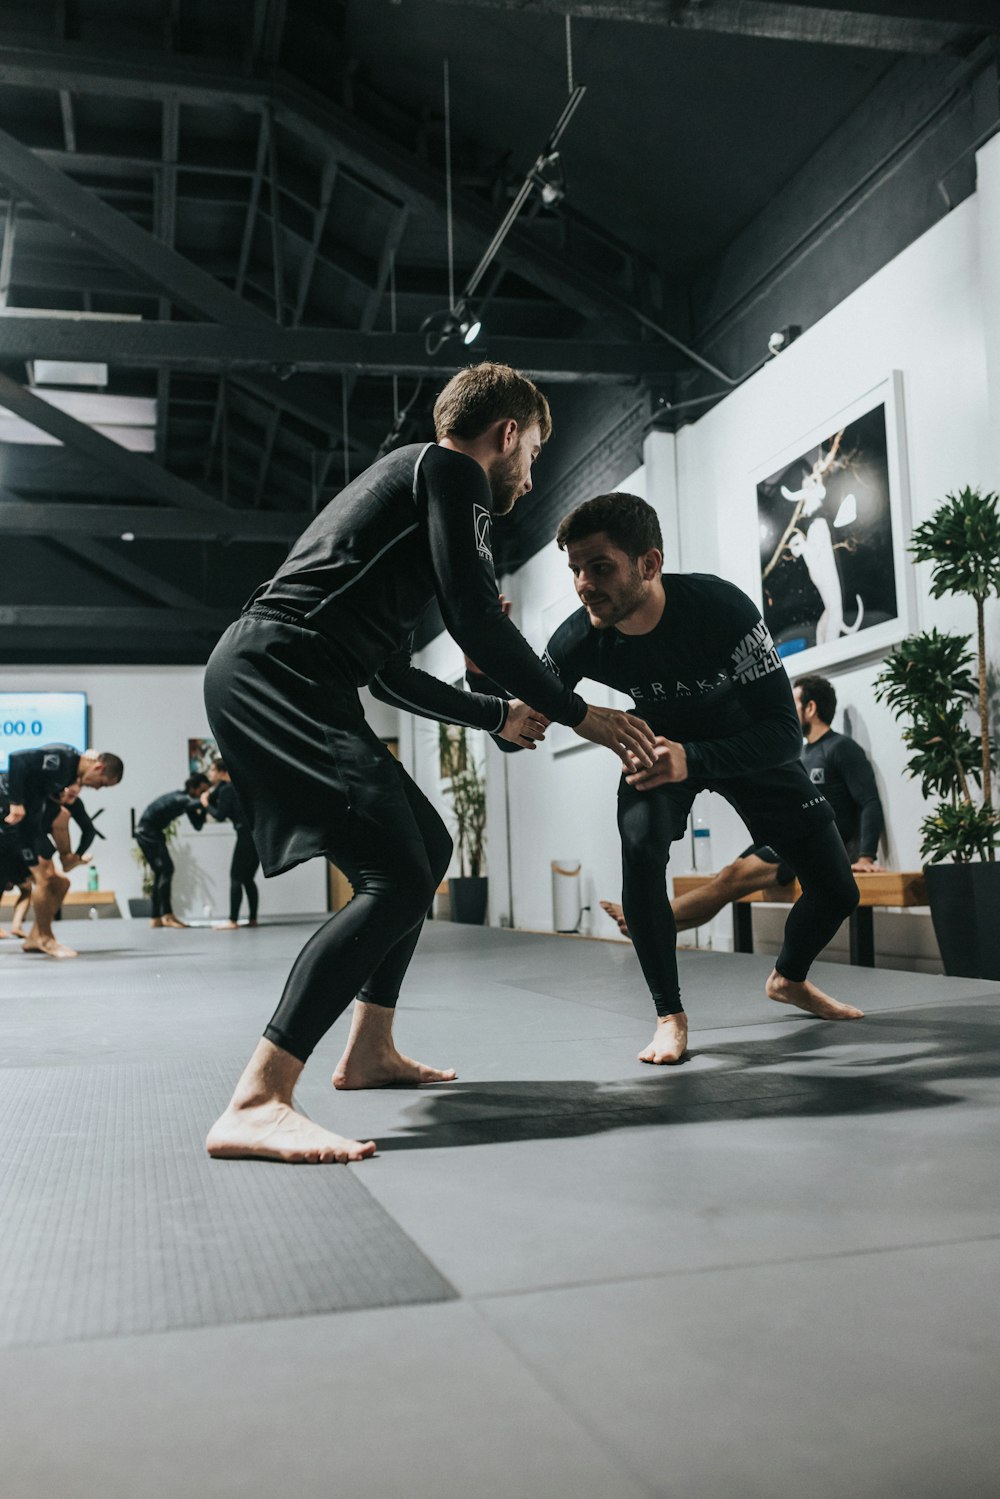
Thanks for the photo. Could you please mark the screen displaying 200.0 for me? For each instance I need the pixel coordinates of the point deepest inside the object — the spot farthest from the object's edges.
(30, 719)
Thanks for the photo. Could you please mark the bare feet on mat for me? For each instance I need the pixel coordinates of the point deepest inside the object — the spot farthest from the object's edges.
(51, 947)
(156, 921)
(273, 1131)
(3, 933)
(806, 996)
(225, 926)
(617, 915)
(175, 922)
(386, 1070)
(669, 1042)
(18, 931)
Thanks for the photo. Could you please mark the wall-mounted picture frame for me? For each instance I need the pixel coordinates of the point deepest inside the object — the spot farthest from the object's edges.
(833, 513)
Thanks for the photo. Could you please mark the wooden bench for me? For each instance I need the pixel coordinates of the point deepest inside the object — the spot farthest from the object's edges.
(888, 887)
(86, 898)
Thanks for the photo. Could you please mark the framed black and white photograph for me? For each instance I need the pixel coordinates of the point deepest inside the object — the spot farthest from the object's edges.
(833, 517)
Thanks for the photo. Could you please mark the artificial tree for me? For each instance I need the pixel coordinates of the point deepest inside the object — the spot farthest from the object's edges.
(929, 679)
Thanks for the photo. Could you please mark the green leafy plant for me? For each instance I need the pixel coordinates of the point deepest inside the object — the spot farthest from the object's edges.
(467, 789)
(934, 680)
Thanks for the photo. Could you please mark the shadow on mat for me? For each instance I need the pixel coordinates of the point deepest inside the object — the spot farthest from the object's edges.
(891, 1064)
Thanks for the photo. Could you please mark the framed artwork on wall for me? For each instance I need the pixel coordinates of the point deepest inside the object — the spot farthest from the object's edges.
(834, 521)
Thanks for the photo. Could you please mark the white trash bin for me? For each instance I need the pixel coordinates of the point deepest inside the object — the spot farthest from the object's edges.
(567, 898)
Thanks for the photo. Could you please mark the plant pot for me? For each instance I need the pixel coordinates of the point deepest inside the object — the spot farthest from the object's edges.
(140, 906)
(468, 898)
(965, 910)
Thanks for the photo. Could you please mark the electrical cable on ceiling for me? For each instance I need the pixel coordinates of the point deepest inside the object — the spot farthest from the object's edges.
(343, 435)
(569, 53)
(392, 325)
(447, 185)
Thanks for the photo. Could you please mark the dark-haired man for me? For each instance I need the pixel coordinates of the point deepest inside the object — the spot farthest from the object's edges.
(34, 777)
(696, 657)
(839, 768)
(281, 691)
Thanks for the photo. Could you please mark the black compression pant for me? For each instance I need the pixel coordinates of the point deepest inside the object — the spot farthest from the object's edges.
(245, 864)
(395, 855)
(650, 821)
(154, 846)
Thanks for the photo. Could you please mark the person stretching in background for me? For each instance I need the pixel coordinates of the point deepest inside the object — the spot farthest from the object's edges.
(225, 806)
(151, 836)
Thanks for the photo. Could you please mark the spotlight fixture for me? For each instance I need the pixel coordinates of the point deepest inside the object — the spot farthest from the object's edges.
(548, 177)
(461, 321)
(781, 338)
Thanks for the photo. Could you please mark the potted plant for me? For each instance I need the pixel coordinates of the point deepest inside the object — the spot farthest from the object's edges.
(467, 789)
(934, 681)
(144, 906)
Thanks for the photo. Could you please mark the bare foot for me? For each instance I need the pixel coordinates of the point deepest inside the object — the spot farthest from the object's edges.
(669, 1042)
(178, 925)
(224, 926)
(3, 933)
(361, 1068)
(806, 996)
(19, 932)
(50, 946)
(617, 915)
(273, 1131)
(156, 921)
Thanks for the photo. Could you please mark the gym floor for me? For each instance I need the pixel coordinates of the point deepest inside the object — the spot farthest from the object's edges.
(768, 1272)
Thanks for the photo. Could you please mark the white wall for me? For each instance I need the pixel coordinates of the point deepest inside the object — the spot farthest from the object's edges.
(934, 315)
(147, 714)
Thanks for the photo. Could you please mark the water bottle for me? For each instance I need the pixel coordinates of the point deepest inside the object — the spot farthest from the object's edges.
(93, 882)
(702, 835)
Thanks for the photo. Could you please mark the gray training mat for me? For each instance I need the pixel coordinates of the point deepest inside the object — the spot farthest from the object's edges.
(114, 1221)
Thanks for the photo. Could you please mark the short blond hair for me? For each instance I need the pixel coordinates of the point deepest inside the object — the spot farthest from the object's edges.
(477, 397)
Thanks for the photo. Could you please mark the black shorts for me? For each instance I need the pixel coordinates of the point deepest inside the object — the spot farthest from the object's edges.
(786, 874)
(289, 724)
(778, 806)
(16, 859)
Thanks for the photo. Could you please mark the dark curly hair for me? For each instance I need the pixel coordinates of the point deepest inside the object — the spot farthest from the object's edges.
(629, 522)
(821, 692)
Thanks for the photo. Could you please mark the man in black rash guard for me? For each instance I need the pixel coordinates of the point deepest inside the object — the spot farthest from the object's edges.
(32, 778)
(696, 657)
(840, 769)
(281, 691)
(225, 806)
(151, 836)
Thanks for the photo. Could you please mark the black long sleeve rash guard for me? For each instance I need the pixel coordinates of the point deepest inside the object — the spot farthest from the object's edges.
(160, 813)
(707, 676)
(80, 816)
(414, 527)
(36, 774)
(840, 769)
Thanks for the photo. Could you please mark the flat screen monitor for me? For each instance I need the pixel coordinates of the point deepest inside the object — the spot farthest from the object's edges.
(30, 719)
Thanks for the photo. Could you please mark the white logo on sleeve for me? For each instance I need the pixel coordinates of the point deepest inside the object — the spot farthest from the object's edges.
(818, 775)
(482, 520)
(755, 656)
(50, 762)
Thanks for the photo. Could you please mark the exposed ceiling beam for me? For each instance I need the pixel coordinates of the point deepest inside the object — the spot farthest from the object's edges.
(378, 161)
(149, 260)
(870, 28)
(45, 518)
(146, 476)
(205, 347)
(126, 619)
(124, 570)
